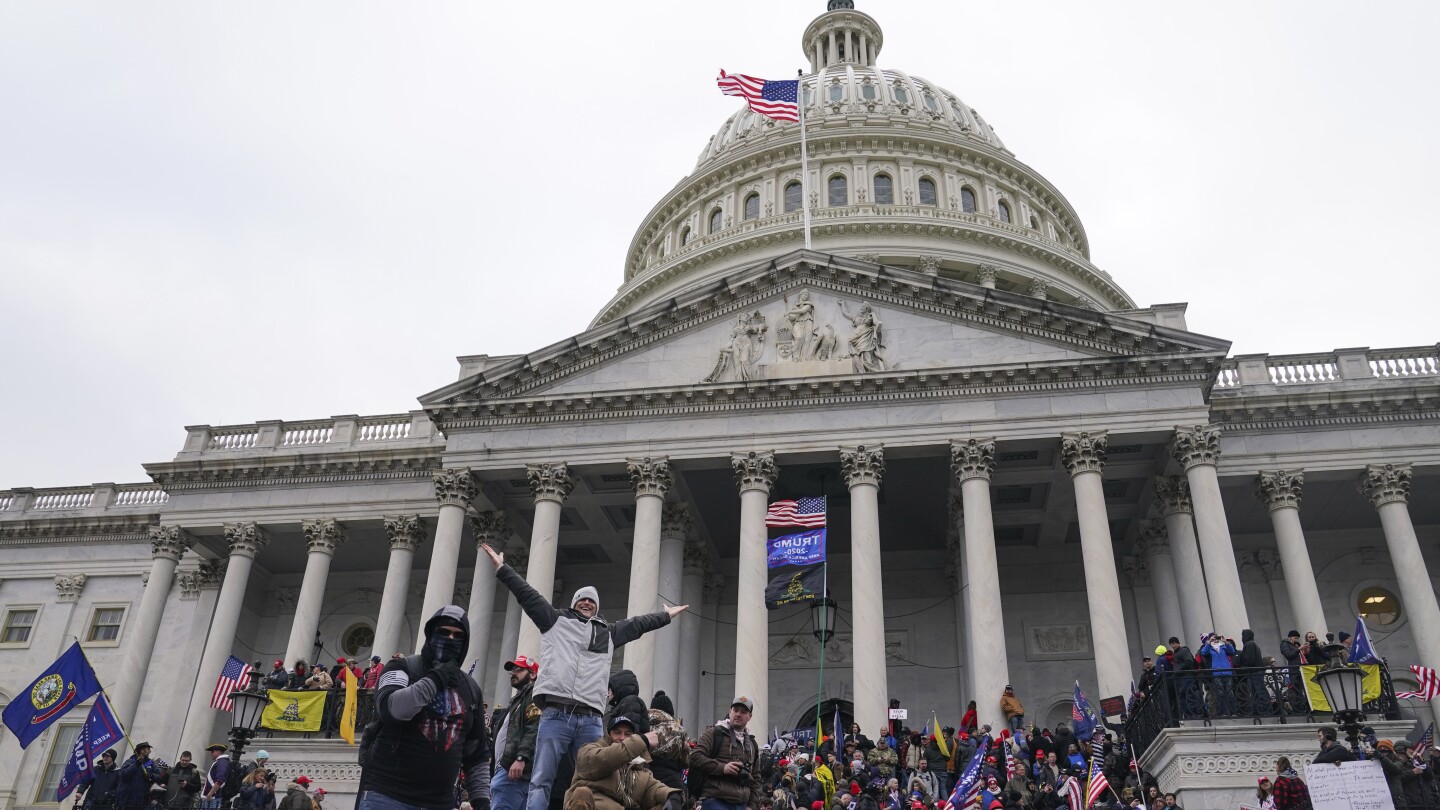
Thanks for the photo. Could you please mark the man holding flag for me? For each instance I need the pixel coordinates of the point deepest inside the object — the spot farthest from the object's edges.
(967, 790)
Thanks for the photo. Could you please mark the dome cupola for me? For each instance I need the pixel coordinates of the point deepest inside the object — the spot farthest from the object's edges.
(842, 36)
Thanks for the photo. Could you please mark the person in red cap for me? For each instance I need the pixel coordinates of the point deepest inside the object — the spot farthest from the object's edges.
(297, 795)
(515, 741)
(278, 677)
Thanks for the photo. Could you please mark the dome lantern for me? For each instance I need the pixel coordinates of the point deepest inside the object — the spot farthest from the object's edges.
(842, 36)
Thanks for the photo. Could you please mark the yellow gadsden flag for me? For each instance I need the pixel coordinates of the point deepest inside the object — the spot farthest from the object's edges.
(1369, 691)
(347, 715)
(294, 711)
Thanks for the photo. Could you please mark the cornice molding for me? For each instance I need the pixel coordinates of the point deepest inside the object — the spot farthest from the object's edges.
(287, 471)
(1381, 407)
(65, 531)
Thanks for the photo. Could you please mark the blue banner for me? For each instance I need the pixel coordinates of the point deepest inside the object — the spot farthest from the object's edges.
(101, 731)
(804, 548)
(63, 685)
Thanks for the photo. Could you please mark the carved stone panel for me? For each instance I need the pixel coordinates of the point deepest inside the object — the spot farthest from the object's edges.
(1057, 642)
(802, 650)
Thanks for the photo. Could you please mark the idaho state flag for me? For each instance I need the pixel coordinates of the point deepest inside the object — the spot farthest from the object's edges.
(294, 711)
(63, 685)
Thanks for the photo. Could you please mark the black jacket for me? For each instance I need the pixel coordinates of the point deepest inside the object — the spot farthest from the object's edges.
(521, 722)
(625, 701)
(99, 787)
(1335, 753)
(1249, 652)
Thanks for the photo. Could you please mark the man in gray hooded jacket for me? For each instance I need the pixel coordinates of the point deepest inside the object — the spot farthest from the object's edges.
(576, 645)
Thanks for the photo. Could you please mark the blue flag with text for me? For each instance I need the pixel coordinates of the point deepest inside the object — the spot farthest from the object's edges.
(805, 548)
(63, 685)
(101, 730)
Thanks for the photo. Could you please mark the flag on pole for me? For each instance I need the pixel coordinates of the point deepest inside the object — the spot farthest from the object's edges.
(967, 787)
(1361, 650)
(63, 685)
(770, 98)
(803, 585)
(1426, 740)
(1082, 715)
(1009, 762)
(101, 730)
(1429, 684)
(233, 678)
(1098, 784)
(1070, 791)
(939, 736)
(347, 714)
(807, 512)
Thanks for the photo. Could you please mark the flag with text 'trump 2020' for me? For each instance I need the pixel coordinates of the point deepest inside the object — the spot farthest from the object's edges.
(101, 730)
(804, 548)
(63, 685)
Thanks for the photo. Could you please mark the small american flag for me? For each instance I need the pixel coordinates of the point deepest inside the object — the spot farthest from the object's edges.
(1098, 783)
(772, 99)
(234, 677)
(1426, 740)
(807, 512)
(1009, 761)
(1070, 792)
(1429, 684)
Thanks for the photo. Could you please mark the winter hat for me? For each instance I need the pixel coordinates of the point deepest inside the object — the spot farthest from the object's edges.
(262, 754)
(1293, 634)
(1160, 649)
(1343, 636)
(854, 788)
(586, 592)
(663, 702)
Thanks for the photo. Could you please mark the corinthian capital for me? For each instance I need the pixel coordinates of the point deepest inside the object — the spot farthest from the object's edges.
(518, 558)
(862, 465)
(323, 535)
(649, 476)
(1083, 452)
(169, 542)
(1196, 445)
(550, 481)
(489, 527)
(754, 471)
(454, 487)
(1280, 489)
(69, 586)
(1172, 495)
(972, 458)
(406, 532)
(1135, 571)
(245, 539)
(714, 586)
(1386, 483)
(1154, 539)
(675, 520)
(985, 274)
(697, 558)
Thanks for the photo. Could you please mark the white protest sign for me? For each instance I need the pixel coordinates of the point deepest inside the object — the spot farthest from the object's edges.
(899, 714)
(1348, 786)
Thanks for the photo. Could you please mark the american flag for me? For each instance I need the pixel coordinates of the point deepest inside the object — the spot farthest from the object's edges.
(235, 676)
(1098, 783)
(807, 512)
(967, 788)
(772, 99)
(1429, 684)
(1070, 792)
(1426, 740)
(1009, 762)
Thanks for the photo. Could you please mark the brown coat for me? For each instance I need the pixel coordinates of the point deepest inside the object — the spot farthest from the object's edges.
(604, 766)
(717, 746)
(1011, 706)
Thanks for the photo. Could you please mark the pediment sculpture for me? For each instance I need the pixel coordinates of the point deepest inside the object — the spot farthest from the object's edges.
(800, 340)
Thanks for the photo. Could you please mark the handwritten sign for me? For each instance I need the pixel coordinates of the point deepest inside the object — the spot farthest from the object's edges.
(1348, 786)
(899, 714)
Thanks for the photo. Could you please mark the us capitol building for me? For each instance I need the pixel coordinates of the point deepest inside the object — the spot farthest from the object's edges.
(1031, 478)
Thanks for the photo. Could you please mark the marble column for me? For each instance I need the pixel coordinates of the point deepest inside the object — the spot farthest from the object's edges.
(863, 468)
(1274, 572)
(492, 529)
(1084, 457)
(754, 476)
(406, 533)
(551, 484)
(1280, 491)
(454, 489)
(651, 479)
(973, 462)
(1154, 546)
(1198, 449)
(245, 541)
(518, 558)
(1388, 488)
(955, 572)
(322, 537)
(709, 712)
(692, 592)
(1172, 499)
(674, 528)
(167, 545)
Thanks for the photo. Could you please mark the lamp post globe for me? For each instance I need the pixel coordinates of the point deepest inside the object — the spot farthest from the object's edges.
(246, 707)
(1343, 684)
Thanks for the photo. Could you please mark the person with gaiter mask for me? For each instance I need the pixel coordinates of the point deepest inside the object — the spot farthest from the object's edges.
(430, 727)
(576, 646)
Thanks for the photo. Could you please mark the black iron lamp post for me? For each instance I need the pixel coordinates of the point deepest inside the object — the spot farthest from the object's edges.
(1344, 686)
(246, 706)
(823, 611)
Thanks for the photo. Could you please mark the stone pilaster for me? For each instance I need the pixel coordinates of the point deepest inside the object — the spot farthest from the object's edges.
(69, 586)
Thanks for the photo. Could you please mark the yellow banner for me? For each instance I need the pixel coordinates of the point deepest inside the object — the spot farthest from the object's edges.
(347, 716)
(1369, 691)
(294, 711)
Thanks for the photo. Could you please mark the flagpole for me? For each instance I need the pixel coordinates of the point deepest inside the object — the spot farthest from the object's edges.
(820, 688)
(805, 191)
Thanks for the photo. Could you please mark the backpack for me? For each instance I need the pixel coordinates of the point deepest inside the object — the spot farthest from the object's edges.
(415, 669)
(233, 777)
(694, 780)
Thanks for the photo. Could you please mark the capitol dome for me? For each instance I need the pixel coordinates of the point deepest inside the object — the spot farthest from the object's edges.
(902, 172)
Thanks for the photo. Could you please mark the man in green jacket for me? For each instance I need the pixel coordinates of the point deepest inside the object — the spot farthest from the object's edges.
(515, 739)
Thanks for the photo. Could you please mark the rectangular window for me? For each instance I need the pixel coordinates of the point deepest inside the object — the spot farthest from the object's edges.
(105, 624)
(19, 623)
(55, 763)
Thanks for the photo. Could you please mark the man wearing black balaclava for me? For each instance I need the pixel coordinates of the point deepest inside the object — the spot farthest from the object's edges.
(431, 726)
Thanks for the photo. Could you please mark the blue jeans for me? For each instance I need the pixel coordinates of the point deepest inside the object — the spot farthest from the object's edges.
(560, 734)
(1017, 722)
(374, 800)
(716, 804)
(211, 804)
(507, 793)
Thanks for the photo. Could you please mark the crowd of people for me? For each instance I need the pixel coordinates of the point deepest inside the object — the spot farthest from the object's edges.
(144, 781)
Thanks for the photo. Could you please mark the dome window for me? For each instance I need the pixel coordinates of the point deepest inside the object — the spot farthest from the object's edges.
(752, 206)
(1004, 212)
(808, 96)
(717, 219)
(793, 199)
(1034, 223)
(685, 236)
(902, 95)
(839, 192)
(884, 190)
(927, 191)
(836, 92)
(867, 91)
(967, 200)
(931, 104)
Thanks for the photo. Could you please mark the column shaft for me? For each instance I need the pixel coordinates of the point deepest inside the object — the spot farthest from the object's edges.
(323, 537)
(639, 655)
(755, 474)
(168, 544)
(544, 545)
(406, 532)
(687, 700)
(1222, 575)
(1300, 586)
(1194, 596)
(1168, 615)
(973, 461)
(1102, 586)
(509, 639)
(671, 589)
(444, 557)
(490, 528)
(863, 468)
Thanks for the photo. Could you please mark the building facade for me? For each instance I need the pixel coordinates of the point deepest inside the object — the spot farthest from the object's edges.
(1030, 477)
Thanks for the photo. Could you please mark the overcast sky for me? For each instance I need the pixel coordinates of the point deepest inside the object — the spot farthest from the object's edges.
(213, 213)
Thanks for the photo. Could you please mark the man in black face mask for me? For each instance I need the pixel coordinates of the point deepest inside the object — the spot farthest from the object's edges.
(429, 726)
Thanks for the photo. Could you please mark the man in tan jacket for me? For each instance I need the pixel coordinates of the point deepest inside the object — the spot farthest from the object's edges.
(1012, 707)
(610, 773)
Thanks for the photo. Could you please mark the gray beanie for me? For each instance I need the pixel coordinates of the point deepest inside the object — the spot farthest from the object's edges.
(587, 592)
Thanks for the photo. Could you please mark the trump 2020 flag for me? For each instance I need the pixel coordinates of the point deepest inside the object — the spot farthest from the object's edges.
(805, 548)
(803, 585)
(1082, 716)
(101, 730)
(1361, 650)
(63, 685)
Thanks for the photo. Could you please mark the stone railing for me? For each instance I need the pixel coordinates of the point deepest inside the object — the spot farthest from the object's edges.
(338, 432)
(1341, 364)
(97, 498)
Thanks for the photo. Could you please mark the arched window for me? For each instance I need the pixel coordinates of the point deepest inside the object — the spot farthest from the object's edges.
(1034, 223)
(927, 191)
(752, 206)
(1004, 212)
(884, 190)
(839, 194)
(793, 193)
(717, 219)
(685, 236)
(967, 200)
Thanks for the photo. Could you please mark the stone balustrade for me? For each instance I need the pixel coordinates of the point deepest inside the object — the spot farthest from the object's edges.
(95, 499)
(1332, 367)
(337, 432)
